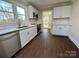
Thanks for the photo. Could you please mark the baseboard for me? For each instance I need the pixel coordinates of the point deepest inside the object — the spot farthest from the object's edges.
(74, 40)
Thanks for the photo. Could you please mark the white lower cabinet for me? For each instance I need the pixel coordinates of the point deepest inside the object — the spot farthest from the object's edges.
(23, 37)
(34, 29)
(27, 35)
(60, 30)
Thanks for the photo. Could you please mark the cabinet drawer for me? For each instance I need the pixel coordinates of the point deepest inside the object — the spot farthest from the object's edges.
(62, 21)
(60, 32)
(60, 27)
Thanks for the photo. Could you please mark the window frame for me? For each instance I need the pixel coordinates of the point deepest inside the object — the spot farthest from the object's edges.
(16, 21)
(4, 11)
(20, 24)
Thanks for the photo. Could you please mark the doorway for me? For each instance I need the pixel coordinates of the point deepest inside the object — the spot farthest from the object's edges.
(47, 18)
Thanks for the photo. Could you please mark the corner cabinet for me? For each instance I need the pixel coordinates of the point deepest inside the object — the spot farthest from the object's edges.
(27, 35)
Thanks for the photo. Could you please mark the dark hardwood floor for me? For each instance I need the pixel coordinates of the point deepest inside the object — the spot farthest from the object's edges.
(47, 46)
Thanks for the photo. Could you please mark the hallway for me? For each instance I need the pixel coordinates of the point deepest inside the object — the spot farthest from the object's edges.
(46, 45)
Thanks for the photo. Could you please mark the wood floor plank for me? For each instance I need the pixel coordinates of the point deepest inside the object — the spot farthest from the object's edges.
(46, 45)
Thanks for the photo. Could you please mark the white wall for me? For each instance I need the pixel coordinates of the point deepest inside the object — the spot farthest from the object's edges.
(74, 30)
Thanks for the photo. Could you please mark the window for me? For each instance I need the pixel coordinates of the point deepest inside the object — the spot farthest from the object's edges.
(21, 15)
(5, 6)
(6, 13)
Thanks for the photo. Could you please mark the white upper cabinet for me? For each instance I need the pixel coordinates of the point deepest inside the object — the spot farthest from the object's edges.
(32, 11)
(62, 12)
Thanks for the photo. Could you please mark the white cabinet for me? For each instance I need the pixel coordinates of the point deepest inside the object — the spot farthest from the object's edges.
(62, 16)
(60, 27)
(35, 30)
(24, 37)
(60, 30)
(30, 36)
(62, 12)
(27, 35)
(32, 32)
(32, 11)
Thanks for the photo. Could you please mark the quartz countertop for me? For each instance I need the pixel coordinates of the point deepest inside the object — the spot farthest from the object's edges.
(10, 30)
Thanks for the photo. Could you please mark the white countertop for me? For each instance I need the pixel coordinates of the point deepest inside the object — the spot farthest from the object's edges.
(8, 30)
(4, 31)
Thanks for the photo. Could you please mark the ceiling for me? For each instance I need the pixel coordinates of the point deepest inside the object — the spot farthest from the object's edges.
(43, 4)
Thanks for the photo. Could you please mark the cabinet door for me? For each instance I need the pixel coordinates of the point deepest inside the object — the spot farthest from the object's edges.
(36, 11)
(57, 13)
(61, 12)
(32, 32)
(60, 30)
(30, 9)
(35, 31)
(66, 11)
(23, 37)
(27, 35)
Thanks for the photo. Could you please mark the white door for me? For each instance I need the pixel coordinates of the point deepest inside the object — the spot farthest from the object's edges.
(47, 17)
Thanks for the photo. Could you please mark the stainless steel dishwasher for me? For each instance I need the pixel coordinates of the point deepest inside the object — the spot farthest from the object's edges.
(9, 44)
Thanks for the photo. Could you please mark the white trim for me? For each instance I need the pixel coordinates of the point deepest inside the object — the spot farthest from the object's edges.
(74, 40)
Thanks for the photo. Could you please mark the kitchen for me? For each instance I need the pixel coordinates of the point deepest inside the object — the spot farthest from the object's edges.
(21, 22)
(19, 33)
